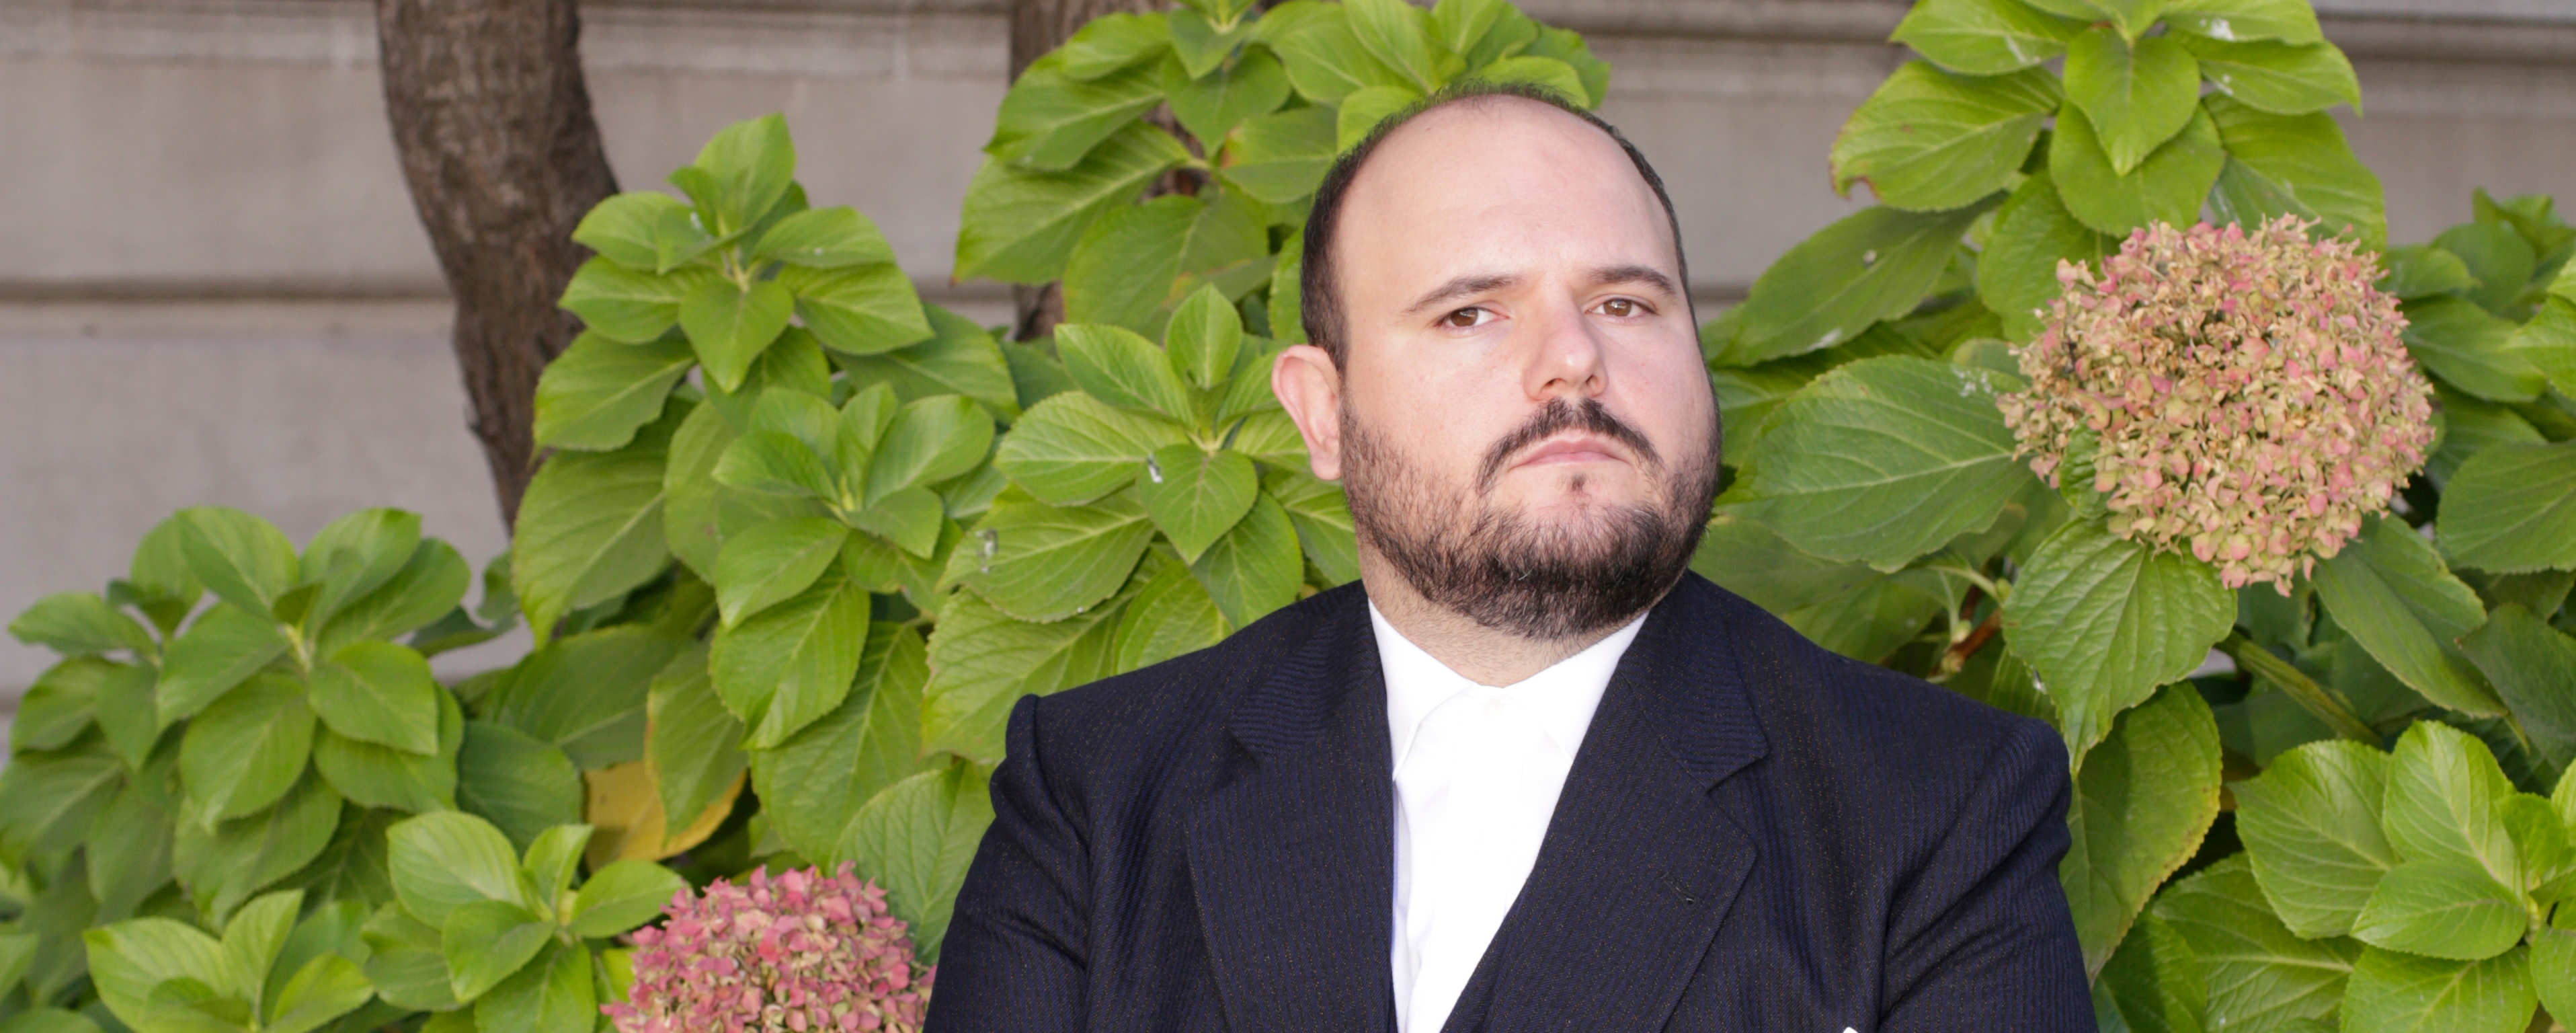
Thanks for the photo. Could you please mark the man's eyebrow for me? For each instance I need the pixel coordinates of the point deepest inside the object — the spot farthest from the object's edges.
(1645, 274)
(1459, 287)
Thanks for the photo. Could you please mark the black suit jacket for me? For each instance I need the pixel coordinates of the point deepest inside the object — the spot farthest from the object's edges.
(1757, 835)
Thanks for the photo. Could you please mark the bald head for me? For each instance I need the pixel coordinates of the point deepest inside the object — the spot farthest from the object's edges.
(1480, 160)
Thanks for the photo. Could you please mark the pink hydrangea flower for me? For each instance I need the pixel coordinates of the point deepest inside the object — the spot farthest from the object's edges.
(799, 952)
(2244, 396)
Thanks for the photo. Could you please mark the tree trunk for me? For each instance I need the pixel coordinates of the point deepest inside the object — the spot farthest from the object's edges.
(493, 125)
(1038, 26)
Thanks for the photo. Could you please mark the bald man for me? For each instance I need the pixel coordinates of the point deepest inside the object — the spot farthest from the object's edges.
(1529, 772)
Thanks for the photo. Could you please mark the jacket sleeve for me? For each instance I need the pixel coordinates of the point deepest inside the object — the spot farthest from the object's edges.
(1014, 959)
(1982, 938)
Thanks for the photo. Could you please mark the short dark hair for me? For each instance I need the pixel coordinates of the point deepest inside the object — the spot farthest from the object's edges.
(1320, 310)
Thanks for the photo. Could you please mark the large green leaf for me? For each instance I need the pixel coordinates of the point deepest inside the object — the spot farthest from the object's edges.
(353, 555)
(2017, 271)
(2393, 992)
(1326, 60)
(223, 866)
(2445, 802)
(129, 960)
(2553, 968)
(1211, 106)
(1255, 567)
(748, 166)
(693, 743)
(599, 391)
(78, 624)
(47, 801)
(959, 358)
(2442, 908)
(428, 587)
(622, 896)
(590, 527)
(64, 702)
(2134, 95)
(2168, 185)
(1113, 41)
(731, 325)
(1135, 263)
(2290, 21)
(1116, 366)
(375, 775)
(1019, 225)
(521, 785)
(225, 646)
(1930, 140)
(2277, 77)
(1073, 448)
(774, 561)
(243, 559)
(486, 941)
(916, 838)
(1194, 495)
(2511, 509)
(248, 748)
(2498, 258)
(378, 692)
(1885, 459)
(815, 782)
(2310, 823)
(785, 666)
(1984, 37)
(2143, 800)
(1049, 120)
(982, 661)
(2104, 620)
(621, 228)
(2261, 976)
(2294, 165)
(932, 440)
(585, 693)
(629, 305)
(2389, 590)
(2423, 270)
(1280, 157)
(1046, 563)
(1322, 516)
(2533, 667)
(444, 861)
(1874, 264)
(2470, 349)
(1171, 615)
(824, 238)
(860, 310)
(553, 994)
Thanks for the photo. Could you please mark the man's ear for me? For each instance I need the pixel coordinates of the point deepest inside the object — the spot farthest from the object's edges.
(1309, 386)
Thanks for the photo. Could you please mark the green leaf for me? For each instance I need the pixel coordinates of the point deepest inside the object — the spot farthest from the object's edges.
(378, 692)
(1123, 369)
(1194, 496)
(2512, 509)
(2290, 21)
(79, 624)
(324, 988)
(381, 776)
(2104, 620)
(2553, 969)
(553, 994)
(1322, 516)
(1984, 37)
(621, 227)
(1326, 61)
(2169, 184)
(1019, 225)
(405, 960)
(959, 358)
(775, 463)
(354, 555)
(252, 939)
(692, 742)
(932, 440)
(2442, 908)
(1480, 30)
(2017, 271)
(729, 325)
(1049, 121)
(2310, 823)
(1209, 107)
(783, 667)
(1205, 335)
(812, 784)
(590, 527)
(1113, 41)
(917, 838)
(2134, 95)
(912, 519)
(223, 866)
(2294, 165)
(1928, 140)
(1398, 35)
(552, 859)
(585, 693)
(521, 785)
(2548, 341)
(444, 861)
(2277, 77)
(429, 586)
(1073, 448)
(1874, 264)
(48, 1020)
(1885, 459)
(594, 395)
(1551, 74)
(622, 896)
(2143, 800)
(2260, 975)
(863, 310)
(128, 850)
(1045, 563)
(1134, 264)
(2471, 350)
(48, 800)
(750, 164)
(1255, 568)
(2389, 590)
(772, 562)
(486, 941)
(2423, 270)
(64, 702)
(241, 558)
(824, 238)
(2445, 796)
(225, 646)
(982, 661)
(2533, 667)
(2401, 992)
(128, 960)
(1280, 157)
(1170, 616)
(630, 306)
(247, 749)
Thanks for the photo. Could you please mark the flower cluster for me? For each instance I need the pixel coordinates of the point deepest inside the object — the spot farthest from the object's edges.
(802, 951)
(2241, 395)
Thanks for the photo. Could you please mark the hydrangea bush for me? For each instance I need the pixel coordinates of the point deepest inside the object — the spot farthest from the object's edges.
(2240, 395)
(802, 951)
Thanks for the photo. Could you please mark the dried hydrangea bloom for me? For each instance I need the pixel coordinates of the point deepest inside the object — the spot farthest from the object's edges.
(802, 951)
(2240, 395)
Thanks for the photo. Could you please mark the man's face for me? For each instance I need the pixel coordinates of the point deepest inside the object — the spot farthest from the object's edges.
(1521, 415)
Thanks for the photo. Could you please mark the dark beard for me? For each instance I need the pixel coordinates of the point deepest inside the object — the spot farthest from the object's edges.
(1495, 568)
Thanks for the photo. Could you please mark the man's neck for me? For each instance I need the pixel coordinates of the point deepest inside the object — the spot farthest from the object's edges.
(1486, 656)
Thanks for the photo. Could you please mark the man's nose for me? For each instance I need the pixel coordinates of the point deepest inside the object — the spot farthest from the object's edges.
(1565, 355)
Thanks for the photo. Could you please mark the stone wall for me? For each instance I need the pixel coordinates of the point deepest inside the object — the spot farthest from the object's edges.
(214, 289)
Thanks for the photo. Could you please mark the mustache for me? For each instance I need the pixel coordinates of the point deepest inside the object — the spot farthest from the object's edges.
(1558, 416)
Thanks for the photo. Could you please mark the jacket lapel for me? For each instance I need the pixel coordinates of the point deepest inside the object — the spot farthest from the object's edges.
(1293, 855)
(1640, 863)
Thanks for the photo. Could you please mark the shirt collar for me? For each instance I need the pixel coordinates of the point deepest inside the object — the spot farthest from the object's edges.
(1560, 698)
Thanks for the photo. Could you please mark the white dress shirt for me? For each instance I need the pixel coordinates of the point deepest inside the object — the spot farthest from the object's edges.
(1477, 773)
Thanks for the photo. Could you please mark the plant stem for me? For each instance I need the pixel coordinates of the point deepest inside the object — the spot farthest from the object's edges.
(2260, 662)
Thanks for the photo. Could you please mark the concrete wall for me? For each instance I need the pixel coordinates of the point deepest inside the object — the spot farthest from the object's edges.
(213, 288)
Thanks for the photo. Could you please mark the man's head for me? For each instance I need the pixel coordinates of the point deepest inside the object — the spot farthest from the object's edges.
(1506, 371)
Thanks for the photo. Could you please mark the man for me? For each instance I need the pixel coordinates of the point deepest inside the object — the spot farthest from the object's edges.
(1530, 773)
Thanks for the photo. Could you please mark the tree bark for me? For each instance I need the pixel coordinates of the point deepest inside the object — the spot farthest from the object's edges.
(493, 125)
(1038, 26)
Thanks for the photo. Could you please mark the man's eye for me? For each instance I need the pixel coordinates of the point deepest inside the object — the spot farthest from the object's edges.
(1619, 308)
(1465, 317)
